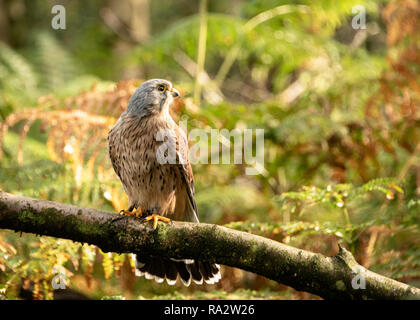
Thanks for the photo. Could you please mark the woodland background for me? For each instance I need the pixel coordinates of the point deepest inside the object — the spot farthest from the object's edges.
(339, 106)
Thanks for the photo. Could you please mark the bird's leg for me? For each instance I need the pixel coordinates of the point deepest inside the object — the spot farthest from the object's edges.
(132, 211)
(155, 217)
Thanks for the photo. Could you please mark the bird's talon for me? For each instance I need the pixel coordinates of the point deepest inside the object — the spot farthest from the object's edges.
(137, 212)
(126, 213)
(155, 217)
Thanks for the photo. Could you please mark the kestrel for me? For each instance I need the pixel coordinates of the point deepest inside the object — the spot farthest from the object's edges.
(157, 189)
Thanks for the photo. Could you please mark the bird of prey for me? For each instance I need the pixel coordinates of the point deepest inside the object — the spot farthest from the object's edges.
(157, 191)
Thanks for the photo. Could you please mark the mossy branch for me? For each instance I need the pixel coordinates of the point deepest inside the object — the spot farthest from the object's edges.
(328, 277)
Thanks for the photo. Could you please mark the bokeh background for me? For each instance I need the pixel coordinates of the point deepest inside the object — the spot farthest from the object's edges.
(339, 106)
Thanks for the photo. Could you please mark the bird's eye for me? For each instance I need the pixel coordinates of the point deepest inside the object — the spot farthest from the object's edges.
(161, 88)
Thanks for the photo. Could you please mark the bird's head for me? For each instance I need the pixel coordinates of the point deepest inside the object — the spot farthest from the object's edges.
(152, 97)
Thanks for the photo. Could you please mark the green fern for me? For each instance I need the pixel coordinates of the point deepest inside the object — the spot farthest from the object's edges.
(53, 63)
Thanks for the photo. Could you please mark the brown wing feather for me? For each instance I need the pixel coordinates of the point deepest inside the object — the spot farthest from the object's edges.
(185, 169)
(113, 152)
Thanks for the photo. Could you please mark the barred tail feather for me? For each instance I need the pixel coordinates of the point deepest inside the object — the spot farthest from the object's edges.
(160, 269)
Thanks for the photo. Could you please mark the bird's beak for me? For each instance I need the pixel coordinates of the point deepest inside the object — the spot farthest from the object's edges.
(175, 93)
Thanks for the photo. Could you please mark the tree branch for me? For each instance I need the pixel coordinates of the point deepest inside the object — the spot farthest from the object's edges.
(328, 277)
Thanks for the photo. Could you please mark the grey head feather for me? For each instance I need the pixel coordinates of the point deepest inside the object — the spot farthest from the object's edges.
(148, 100)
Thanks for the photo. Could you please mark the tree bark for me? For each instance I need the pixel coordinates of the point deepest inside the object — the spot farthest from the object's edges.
(327, 277)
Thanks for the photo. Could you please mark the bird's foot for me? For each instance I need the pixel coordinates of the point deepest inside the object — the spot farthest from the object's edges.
(137, 212)
(155, 217)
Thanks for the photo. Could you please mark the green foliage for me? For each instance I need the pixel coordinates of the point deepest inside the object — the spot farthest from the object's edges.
(338, 107)
(337, 196)
(16, 76)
